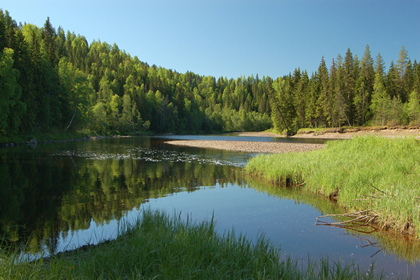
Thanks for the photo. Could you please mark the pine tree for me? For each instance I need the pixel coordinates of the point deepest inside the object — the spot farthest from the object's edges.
(349, 78)
(333, 101)
(301, 99)
(364, 88)
(49, 42)
(324, 99)
(340, 103)
(404, 70)
(393, 81)
(312, 102)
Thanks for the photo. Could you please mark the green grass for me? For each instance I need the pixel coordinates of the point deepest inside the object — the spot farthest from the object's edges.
(367, 173)
(163, 247)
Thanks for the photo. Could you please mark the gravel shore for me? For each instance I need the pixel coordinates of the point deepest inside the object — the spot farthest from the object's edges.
(248, 147)
(277, 147)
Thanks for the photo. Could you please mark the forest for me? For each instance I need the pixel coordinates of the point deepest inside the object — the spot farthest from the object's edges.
(51, 79)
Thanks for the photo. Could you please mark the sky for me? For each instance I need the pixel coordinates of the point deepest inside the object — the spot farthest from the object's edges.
(234, 38)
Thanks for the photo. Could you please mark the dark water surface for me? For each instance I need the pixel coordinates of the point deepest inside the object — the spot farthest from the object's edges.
(58, 197)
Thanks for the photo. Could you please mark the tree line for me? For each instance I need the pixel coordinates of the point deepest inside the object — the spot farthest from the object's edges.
(53, 79)
(351, 92)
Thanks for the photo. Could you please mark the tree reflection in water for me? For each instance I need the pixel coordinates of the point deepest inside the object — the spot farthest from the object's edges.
(49, 192)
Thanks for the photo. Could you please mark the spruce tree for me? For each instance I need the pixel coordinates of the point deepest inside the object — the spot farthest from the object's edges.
(404, 70)
(364, 88)
(324, 96)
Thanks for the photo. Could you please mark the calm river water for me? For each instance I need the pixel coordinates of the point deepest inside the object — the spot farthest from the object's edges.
(57, 197)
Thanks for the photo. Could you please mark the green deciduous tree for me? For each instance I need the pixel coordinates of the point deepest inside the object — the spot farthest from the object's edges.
(414, 108)
(77, 89)
(386, 110)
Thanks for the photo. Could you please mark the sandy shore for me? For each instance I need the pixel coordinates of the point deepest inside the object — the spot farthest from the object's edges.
(276, 147)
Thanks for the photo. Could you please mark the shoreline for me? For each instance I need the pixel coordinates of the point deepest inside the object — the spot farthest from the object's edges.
(251, 147)
(279, 147)
(335, 133)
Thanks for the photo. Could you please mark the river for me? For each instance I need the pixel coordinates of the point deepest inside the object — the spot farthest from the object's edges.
(57, 197)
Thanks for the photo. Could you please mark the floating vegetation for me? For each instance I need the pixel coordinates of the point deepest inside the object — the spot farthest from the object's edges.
(150, 155)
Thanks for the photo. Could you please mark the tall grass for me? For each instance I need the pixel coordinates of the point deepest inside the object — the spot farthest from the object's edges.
(163, 247)
(366, 173)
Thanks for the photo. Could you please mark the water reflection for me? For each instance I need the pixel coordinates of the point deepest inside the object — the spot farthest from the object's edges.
(48, 192)
(403, 247)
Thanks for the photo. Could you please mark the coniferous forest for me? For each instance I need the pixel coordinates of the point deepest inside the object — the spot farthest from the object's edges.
(51, 79)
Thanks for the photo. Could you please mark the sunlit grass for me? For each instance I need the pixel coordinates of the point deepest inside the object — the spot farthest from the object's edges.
(163, 247)
(375, 173)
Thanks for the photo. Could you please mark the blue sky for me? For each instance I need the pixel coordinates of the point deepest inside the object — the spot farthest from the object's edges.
(234, 38)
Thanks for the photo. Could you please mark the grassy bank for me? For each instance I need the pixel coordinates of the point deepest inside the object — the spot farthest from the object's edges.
(366, 173)
(163, 247)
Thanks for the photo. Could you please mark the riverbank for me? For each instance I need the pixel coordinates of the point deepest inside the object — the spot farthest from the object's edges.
(277, 147)
(346, 133)
(163, 247)
(374, 176)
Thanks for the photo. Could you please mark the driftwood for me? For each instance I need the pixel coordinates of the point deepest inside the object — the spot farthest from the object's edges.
(357, 220)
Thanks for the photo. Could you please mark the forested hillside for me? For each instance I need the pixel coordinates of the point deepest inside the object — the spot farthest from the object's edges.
(53, 79)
